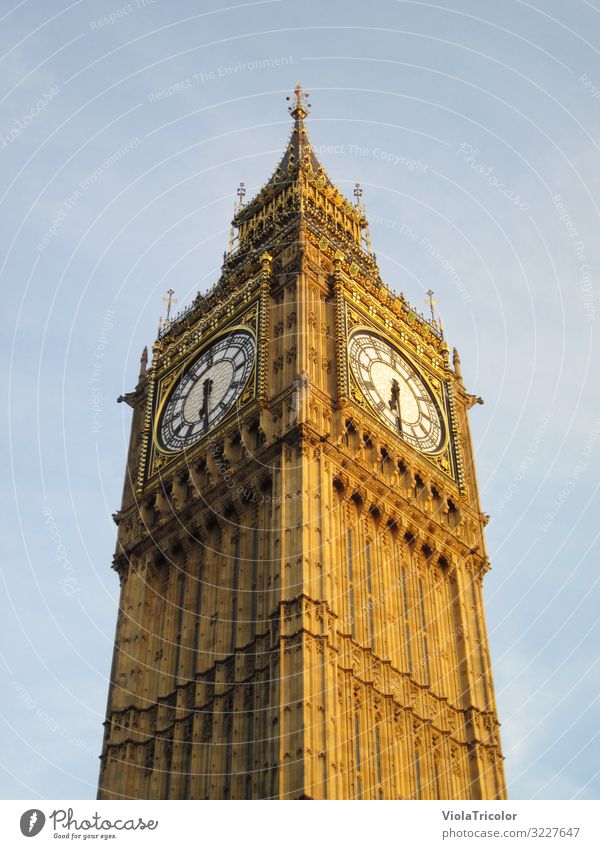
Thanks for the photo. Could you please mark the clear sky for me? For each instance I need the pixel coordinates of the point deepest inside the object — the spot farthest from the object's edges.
(472, 126)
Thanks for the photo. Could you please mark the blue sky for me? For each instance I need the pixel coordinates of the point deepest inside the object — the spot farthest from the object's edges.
(124, 131)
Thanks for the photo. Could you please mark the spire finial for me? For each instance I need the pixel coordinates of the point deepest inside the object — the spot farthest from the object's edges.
(432, 302)
(299, 110)
(241, 194)
(169, 301)
(358, 193)
(237, 207)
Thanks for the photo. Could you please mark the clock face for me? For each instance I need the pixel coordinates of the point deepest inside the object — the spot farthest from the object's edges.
(207, 390)
(396, 391)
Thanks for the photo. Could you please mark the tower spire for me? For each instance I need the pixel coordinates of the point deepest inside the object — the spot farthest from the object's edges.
(299, 182)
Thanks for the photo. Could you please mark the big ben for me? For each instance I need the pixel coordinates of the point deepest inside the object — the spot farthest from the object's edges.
(300, 541)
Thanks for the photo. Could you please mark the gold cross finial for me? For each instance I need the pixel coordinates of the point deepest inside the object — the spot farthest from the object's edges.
(169, 301)
(299, 110)
(432, 302)
(358, 193)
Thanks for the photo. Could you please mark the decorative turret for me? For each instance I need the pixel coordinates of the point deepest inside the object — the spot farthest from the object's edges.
(456, 364)
(143, 365)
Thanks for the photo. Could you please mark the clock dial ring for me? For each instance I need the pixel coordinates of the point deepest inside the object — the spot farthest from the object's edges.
(397, 391)
(206, 390)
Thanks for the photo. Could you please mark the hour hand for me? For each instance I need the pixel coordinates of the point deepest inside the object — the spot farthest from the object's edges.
(206, 389)
(394, 403)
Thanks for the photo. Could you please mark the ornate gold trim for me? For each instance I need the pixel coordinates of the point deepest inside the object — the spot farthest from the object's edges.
(456, 442)
(146, 429)
(262, 353)
(341, 347)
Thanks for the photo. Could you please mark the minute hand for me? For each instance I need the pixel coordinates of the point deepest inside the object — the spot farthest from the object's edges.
(206, 389)
(394, 403)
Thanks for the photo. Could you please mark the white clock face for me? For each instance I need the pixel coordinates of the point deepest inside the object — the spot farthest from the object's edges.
(207, 390)
(396, 391)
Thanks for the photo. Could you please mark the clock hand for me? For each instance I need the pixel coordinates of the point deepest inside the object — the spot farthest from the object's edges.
(206, 389)
(394, 403)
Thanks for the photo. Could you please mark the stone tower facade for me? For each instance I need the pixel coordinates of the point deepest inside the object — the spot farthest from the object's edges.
(300, 541)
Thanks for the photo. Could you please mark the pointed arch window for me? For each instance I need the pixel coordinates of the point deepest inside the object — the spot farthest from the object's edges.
(425, 645)
(351, 583)
(370, 599)
(357, 756)
(406, 618)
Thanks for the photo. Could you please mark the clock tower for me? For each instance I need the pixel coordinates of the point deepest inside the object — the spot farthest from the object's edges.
(300, 542)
